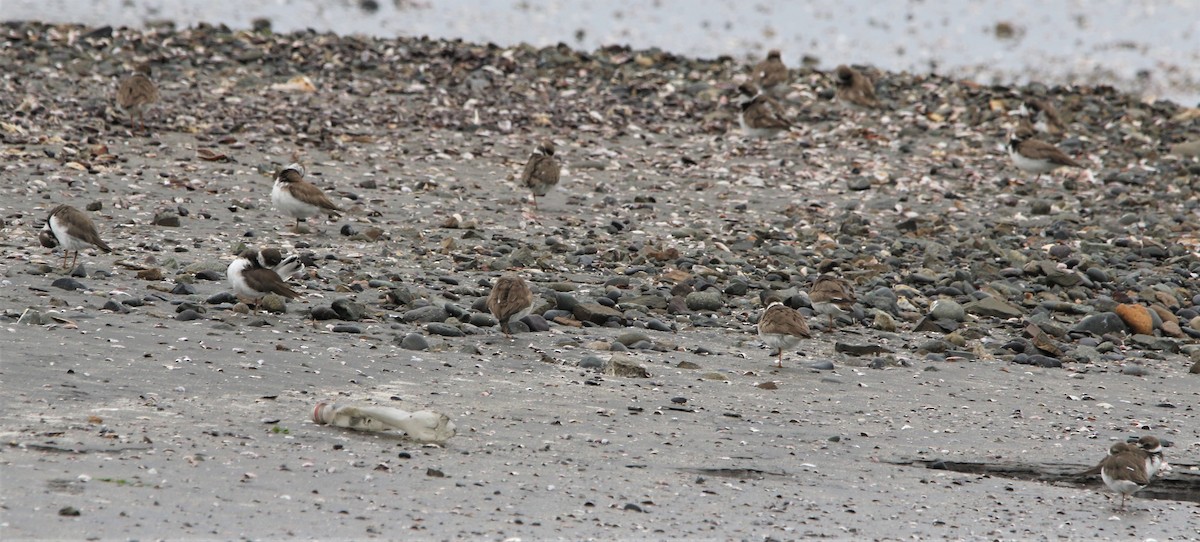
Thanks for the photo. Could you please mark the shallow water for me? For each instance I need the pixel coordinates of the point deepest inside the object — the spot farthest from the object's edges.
(1147, 46)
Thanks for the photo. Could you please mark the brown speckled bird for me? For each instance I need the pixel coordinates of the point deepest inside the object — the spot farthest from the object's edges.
(510, 300)
(831, 296)
(771, 75)
(541, 170)
(760, 116)
(69, 228)
(135, 93)
(1036, 156)
(854, 88)
(780, 326)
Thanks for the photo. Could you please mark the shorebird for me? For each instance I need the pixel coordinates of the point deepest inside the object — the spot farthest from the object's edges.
(1125, 469)
(1036, 156)
(780, 326)
(298, 198)
(252, 277)
(69, 228)
(771, 74)
(136, 92)
(1040, 116)
(760, 116)
(511, 299)
(854, 88)
(541, 170)
(831, 296)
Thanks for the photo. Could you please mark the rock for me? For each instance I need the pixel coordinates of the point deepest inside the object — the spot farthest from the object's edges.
(1136, 317)
(947, 309)
(324, 313)
(565, 301)
(884, 321)
(991, 306)
(882, 298)
(861, 349)
(348, 309)
(1195, 368)
(446, 330)
(858, 183)
(430, 313)
(153, 274)
(708, 300)
(187, 315)
(68, 284)
(625, 367)
(346, 328)
(1134, 369)
(414, 341)
(223, 297)
(183, 289)
(273, 303)
(534, 323)
(118, 308)
(1187, 149)
(591, 362)
(657, 325)
(631, 337)
(595, 313)
(168, 219)
(821, 365)
(1100, 324)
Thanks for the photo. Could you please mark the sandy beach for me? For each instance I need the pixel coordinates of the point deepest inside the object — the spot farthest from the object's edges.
(143, 403)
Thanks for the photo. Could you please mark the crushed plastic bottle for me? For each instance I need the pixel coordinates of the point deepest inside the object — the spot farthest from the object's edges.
(421, 426)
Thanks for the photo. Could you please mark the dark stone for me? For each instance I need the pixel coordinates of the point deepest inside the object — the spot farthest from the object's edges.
(348, 309)
(444, 330)
(223, 297)
(535, 323)
(595, 313)
(113, 306)
(346, 328)
(324, 313)
(1100, 324)
(414, 341)
(210, 275)
(187, 315)
(168, 219)
(431, 313)
(182, 288)
(68, 284)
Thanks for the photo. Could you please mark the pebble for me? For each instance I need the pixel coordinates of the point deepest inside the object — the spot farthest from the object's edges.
(429, 313)
(347, 309)
(1100, 324)
(821, 365)
(947, 309)
(346, 328)
(708, 300)
(324, 313)
(273, 303)
(1134, 369)
(414, 341)
(591, 362)
(68, 284)
(446, 330)
(119, 308)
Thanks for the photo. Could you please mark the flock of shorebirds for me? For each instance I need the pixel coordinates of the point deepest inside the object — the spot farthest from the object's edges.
(257, 273)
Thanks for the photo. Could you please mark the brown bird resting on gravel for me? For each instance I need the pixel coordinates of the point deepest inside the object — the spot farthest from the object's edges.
(541, 170)
(832, 296)
(771, 74)
(854, 88)
(1036, 156)
(298, 198)
(760, 116)
(780, 326)
(69, 228)
(136, 92)
(510, 300)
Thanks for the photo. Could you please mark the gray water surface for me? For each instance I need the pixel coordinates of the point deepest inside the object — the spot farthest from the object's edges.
(1151, 47)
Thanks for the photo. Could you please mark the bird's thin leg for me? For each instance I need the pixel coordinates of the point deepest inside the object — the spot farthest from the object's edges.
(780, 358)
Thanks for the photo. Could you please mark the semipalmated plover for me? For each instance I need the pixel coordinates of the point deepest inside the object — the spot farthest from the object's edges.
(136, 92)
(252, 279)
(1124, 470)
(1041, 116)
(1154, 457)
(831, 296)
(510, 300)
(541, 171)
(854, 88)
(1036, 156)
(771, 75)
(780, 326)
(69, 228)
(760, 116)
(298, 198)
(286, 267)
